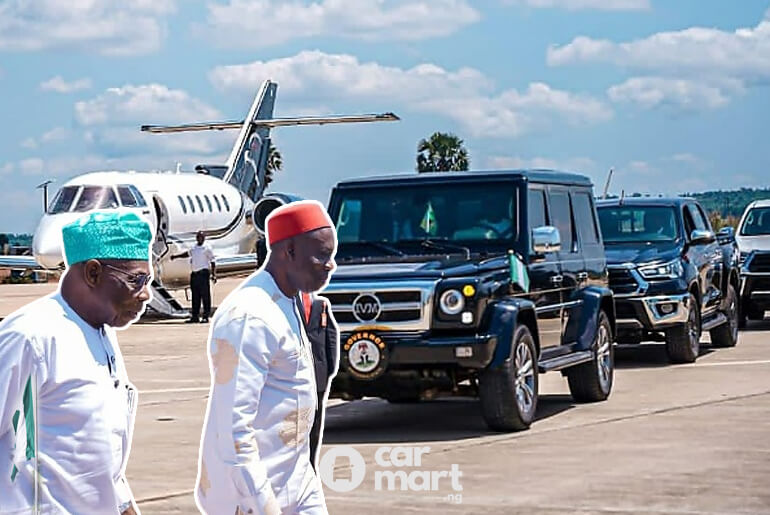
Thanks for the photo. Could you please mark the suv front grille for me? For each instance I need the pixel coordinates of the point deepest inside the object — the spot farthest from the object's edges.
(622, 281)
(760, 263)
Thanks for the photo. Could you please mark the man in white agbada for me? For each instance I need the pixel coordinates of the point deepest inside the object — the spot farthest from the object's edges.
(66, 405)
(255, 449)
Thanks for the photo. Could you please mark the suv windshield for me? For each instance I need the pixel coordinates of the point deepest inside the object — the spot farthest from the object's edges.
(638, 223)
(402, 216)
(757, 222)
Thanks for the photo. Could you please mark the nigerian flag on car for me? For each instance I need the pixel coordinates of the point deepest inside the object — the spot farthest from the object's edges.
(24, 428)
(518, 269)
(428, 223)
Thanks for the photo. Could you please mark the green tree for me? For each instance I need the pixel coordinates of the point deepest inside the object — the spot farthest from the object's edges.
(442, 152)
(274, 163)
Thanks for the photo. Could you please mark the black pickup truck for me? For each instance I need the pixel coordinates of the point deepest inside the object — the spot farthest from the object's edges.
(470, 284)
(673, 278)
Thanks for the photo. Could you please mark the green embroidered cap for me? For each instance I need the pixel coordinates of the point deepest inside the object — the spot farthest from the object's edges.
(107, 235)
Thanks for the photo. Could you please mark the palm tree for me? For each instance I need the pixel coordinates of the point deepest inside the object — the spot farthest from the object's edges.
(274, 163)
(442, 152)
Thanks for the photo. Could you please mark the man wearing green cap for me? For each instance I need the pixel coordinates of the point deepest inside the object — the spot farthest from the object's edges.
(66, 405)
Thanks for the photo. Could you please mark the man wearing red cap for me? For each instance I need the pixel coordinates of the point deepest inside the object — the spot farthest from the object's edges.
(255, 452)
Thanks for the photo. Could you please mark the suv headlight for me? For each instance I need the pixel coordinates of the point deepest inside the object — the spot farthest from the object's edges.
(742, 258)
(670, 270)
(451, 302)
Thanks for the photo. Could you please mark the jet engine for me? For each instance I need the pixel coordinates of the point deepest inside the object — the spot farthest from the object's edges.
(266, 205)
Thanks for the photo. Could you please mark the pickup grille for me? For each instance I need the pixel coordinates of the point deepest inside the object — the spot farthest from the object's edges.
(621, 281)
(397, 306)
(760, 263)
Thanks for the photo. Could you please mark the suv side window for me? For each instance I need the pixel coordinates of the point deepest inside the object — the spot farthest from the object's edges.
(697, 218)
(561, 217)
(583, 210)
(704, 217)
(536, 213)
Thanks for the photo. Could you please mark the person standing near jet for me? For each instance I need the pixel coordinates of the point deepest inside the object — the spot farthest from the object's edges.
(255, 453)
(203, 270)
(324, 338)
(66, 404)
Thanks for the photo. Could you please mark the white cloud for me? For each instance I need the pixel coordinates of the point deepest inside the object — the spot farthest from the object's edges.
(687, 94)
(112, 120)
(29, 143)
(259, 23)
(574, 5)
(574, 164)
(32, 166)
(6, 168)
(59, 85)
(109, 27)
(465, 95)
(694, 68)
(55, 134)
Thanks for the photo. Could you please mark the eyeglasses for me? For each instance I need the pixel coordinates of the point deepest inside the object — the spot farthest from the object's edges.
(135, 282)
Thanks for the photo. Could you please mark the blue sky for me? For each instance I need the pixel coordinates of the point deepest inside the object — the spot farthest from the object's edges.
(672, 94)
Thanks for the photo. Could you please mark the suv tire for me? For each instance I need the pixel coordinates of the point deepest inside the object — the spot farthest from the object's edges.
(726, 335)
(683, 342)
(509, 393)
(592, 381)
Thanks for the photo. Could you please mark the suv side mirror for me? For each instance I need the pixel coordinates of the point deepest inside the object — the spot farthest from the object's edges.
(546, 239)
(726, 235)
(702, 237)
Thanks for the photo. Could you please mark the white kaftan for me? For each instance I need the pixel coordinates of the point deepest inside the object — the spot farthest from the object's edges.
(84, 408)
(255, 449)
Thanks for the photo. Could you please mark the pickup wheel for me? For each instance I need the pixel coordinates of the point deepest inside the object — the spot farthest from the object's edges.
(683, 342)
(509, 393)
(726, 335)
(592, 381)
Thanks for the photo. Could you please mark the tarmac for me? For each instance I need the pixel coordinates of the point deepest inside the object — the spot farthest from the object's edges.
(671, 439)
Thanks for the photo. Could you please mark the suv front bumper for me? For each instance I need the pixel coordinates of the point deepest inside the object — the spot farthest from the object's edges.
(651, 313)
(755, 289)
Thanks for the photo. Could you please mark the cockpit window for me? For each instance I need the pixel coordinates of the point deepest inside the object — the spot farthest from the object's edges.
(63, 200)
(96, 197)
(130, 196)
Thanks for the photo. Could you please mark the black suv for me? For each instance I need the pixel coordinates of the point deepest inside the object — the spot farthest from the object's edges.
(470, 284)
(672, 276)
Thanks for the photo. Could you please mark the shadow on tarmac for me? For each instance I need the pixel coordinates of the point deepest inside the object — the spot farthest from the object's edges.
(376, 421)
(649, 355)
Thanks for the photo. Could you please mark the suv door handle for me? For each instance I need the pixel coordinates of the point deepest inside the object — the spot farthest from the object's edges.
(557, 279)
(582, 276)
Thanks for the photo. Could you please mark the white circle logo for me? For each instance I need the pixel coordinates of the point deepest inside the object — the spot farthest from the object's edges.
(364, 356)
(342, 468)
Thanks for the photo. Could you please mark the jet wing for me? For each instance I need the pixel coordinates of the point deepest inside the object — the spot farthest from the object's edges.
(273, 122)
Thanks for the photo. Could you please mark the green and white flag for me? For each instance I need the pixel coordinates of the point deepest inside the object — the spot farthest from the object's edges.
(428, 223)
(24, 427)
(518, 271)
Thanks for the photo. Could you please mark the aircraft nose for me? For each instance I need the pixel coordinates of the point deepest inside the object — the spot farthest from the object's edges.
(47, 245)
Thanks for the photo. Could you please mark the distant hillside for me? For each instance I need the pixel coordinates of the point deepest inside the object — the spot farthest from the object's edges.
(729, 203)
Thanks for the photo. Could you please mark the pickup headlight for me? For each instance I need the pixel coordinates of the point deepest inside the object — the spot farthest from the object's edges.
(451, 302)
(670, 270)
(742, 258)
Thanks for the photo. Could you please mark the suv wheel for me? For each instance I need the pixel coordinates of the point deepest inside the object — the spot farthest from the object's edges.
(592, 381)
(509, 393)
(683, 342)
(726, 335)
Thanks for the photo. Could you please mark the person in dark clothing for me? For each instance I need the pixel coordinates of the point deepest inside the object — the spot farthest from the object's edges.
(324, 338)
(203, 270)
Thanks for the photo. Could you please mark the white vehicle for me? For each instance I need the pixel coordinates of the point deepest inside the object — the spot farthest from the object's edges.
(219, 200)
(753, 239)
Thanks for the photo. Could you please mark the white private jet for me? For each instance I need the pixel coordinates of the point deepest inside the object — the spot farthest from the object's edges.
(226, 202)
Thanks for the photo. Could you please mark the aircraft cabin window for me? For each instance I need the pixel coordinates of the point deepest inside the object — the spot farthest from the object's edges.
(200, 204)
(63, 200)
(208, 203)
(190, 204)
(96, 197)
(127, 198)
(227, 204)
(216, 201)
(181, 203)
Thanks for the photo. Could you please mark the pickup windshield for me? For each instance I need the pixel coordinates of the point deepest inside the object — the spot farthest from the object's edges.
(757, 222)
(622, 224)
(403, 216)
